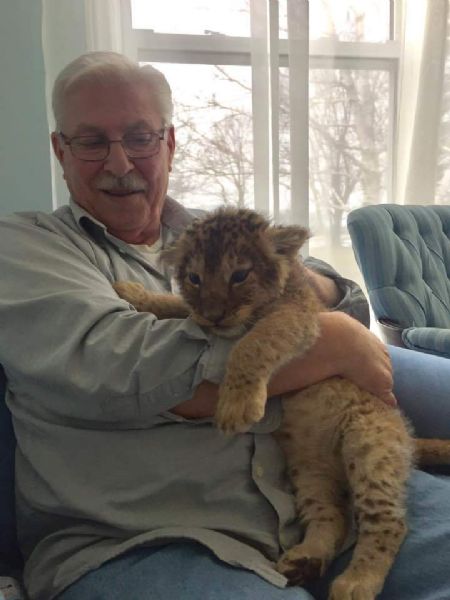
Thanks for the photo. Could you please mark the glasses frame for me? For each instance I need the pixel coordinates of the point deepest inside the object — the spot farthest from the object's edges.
(69, 141)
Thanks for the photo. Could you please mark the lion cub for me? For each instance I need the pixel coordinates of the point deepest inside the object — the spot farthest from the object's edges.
(347, 452)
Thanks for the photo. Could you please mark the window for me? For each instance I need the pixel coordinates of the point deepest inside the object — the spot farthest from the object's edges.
(207, 52)
(213, 117)
(193, 17)
(351, 20)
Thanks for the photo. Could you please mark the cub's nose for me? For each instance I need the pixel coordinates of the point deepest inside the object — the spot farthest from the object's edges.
(214, 314)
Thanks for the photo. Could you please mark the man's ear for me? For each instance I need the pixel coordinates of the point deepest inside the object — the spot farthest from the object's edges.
(171, 144)
(288, 239)
(58, 147)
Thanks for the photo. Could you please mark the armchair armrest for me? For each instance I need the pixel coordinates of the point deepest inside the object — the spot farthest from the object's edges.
(432, 340)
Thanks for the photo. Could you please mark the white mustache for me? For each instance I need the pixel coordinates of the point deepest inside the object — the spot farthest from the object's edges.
(131, 182)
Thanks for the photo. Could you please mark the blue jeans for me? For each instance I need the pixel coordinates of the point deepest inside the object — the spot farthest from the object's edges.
(188, 571)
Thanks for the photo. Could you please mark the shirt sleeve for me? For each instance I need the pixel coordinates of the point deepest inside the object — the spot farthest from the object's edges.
(74, 352)
(352, 301)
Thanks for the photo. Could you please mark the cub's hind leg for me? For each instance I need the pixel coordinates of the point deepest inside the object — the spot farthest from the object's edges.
(378, 461)
(323, 508)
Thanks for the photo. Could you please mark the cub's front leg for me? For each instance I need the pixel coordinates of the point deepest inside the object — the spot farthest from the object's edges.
(271, 343)
(164, 306)
(242, 394)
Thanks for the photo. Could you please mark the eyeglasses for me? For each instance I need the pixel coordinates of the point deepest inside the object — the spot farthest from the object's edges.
(98, 147)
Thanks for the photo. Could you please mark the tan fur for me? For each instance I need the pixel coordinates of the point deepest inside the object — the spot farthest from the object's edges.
(164, 306)
(348, 454)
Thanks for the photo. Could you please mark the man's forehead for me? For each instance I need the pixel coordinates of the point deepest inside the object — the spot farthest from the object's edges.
(106, 107)
(85, 128)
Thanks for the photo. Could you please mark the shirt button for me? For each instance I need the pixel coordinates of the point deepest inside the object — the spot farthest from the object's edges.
(259, 471)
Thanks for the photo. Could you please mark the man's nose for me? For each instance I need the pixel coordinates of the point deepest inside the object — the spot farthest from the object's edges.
(117, 161)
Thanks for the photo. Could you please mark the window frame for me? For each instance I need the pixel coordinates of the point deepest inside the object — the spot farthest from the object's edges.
(146, 45)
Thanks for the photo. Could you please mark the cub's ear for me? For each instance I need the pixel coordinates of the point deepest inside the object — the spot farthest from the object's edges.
(288, 239)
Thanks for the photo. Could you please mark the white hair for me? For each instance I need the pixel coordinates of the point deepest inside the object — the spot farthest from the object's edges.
(111, 67)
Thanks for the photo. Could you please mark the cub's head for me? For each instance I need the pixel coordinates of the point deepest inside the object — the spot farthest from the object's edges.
(231, 263)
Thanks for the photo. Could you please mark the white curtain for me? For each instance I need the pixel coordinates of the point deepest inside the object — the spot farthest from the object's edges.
(420, 110)
(72, 28)
(107, 25)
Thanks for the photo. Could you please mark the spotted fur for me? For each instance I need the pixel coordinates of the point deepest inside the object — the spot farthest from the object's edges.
(348, 454)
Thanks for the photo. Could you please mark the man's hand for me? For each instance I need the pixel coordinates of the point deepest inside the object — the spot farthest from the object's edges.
(365, 360)
(345, 348)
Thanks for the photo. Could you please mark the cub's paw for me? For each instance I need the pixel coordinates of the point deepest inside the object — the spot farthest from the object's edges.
(133, 292)
(240, 406)
(299, 567)
(346, 587)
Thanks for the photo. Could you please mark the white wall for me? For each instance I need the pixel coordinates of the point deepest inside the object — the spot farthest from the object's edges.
(37, 39)
(25, 181)
(63, 39)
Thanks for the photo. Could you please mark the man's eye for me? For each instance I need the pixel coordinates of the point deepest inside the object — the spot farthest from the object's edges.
(140, 139)
(89, 142)
(194, 278)
(239, 276)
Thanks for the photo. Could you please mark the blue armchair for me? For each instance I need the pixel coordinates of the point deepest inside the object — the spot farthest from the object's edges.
(403, 253)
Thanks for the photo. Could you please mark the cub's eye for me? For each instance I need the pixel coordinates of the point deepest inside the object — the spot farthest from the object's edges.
(194, 278)
(239, 276)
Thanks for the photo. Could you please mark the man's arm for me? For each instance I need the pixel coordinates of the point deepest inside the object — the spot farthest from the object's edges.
(345, 348)
(325, 288)
(338, 293)
(79, 350)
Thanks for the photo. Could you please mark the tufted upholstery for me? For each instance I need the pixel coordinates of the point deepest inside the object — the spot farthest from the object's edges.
(404, 255)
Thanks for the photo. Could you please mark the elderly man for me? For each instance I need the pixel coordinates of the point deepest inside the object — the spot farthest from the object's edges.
(124, 487)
